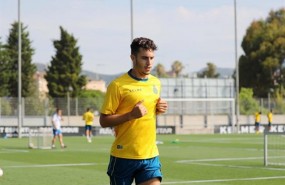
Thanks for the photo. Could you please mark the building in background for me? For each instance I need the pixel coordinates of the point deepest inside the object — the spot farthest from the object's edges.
(197, 87)
(41, 82)
(99, 85)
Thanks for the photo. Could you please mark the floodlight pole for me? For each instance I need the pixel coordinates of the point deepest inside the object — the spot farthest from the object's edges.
(237, 69)
(19, 71)
(132, 26)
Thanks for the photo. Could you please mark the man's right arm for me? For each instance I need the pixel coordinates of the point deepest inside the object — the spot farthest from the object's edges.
(114, 119)
(111, 120)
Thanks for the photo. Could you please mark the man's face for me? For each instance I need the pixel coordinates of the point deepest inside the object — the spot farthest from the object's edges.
(143, 62)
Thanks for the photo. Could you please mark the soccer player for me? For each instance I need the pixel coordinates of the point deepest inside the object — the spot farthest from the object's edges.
(257, 122)
(88, 117)
(269, 116)
(56, 123)
(131, 104)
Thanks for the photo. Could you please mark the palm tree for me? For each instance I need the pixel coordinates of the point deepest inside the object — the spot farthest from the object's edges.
(177, 68)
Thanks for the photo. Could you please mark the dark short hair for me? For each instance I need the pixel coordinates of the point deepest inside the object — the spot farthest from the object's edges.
(142, 42)
(57, 110)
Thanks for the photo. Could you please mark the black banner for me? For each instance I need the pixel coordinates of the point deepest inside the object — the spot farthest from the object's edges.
(247, 129)
(73, 131)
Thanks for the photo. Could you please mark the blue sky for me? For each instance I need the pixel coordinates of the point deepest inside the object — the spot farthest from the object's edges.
(194, 32)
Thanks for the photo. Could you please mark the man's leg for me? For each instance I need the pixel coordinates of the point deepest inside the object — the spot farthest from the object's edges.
(88, 134)
(61, 141)
(154, 181)
(53, 141)
(149, 172)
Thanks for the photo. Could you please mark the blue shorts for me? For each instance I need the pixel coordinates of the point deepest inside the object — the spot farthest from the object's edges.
(88, 127)
(56, 132)
(124, 171)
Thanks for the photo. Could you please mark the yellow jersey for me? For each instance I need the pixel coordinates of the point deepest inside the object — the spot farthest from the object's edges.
(88, 117)
(257, 117)
(135, 139)
(269, 116)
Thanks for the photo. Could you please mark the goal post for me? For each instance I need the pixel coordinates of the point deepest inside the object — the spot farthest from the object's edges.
(274, 148)
(40, 138)
(203, 106)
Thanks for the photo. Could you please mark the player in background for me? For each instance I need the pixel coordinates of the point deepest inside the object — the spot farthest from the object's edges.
(56, 123)
(88, 117)
(131, 104)
(269, 117)
(257, 122)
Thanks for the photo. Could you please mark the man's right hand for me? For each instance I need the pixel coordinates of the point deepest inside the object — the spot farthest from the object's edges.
(138, 111)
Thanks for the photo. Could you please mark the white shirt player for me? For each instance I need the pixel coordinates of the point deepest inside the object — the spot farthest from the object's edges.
(56, 119)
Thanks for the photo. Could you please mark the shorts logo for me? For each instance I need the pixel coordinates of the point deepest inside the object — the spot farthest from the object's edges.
(119, 147)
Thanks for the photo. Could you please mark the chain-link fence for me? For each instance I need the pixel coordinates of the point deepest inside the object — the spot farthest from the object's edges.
(37, 112)
(77, 106)
(44, 107)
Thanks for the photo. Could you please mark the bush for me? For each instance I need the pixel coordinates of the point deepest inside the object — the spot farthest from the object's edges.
(248, 105)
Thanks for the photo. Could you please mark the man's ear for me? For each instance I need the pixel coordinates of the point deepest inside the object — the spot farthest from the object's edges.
(133, 57)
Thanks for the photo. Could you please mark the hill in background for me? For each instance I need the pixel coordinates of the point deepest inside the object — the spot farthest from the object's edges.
(90, 75)
(224, 72)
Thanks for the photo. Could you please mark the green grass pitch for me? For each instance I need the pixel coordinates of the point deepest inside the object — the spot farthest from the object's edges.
(186, 159)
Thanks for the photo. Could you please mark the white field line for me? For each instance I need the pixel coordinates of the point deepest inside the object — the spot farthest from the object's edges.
(226, 140)
(243, 167)
(176, 182)
(227, 159)
(224, 180)
(55, 165)
(201, 162)
(5, 151)
(219, 159)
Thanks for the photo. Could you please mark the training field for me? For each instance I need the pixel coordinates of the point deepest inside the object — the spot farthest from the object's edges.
(194, 159)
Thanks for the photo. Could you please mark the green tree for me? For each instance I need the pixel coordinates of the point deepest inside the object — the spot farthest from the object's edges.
(210, 71)
(177, 68)
(28, 69)
(5, 72)
(248, 105)
(261, 67)
(92, 99)
(6, 108)
(279, 103)
(63, 74)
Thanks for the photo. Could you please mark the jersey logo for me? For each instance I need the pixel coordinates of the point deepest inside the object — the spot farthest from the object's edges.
(119, 147)
(135, 90)
(154, 89)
